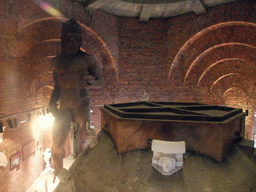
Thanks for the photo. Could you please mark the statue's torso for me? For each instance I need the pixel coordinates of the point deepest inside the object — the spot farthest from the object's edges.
(69, 73)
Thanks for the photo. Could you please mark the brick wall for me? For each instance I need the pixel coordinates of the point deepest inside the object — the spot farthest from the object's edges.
(136, 59)
(23, 88)
(17, 140)
(16, 99)
(29, 39)
(191, 58)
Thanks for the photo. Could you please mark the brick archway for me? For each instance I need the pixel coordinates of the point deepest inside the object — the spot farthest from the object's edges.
(210, 42)
(218, 62)
(40, 39)
(234, 52)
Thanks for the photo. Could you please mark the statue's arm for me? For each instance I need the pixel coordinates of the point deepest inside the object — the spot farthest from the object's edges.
(95, 71)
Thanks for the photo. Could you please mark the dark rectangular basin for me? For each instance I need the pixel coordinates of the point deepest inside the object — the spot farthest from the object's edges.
(207, 129)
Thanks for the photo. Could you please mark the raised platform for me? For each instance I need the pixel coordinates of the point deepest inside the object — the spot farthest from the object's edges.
(247, 146)
(207, 129)
(103, 169)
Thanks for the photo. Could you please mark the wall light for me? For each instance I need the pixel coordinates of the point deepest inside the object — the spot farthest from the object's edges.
(1, 132)
(43, 111)
(10, 124)
(29, 116)
(22, 120)
(39, 113)
(46, 120)
(15, 122)
(41, 123)
(254, 139)
(1, 127)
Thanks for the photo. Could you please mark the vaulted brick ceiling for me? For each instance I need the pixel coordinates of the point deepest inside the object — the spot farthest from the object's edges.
(145, 9)
(218, 63)
(32, 40)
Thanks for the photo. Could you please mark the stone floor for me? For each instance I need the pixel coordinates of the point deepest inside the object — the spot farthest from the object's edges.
(102, 169)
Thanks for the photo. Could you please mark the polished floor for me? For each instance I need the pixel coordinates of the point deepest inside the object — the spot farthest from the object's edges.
(102, 169)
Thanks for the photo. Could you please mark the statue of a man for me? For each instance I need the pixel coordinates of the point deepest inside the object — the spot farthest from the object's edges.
(74, 71)
(47, 156)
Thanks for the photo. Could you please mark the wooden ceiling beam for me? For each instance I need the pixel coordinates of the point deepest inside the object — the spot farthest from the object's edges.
(98, 4)
(197, 6)
(145, 12)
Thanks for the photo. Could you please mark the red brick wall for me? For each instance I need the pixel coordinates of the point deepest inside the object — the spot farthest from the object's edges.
(28, 43)
(16, 98)
(23, 88)
(15, 141)
(155, 57)
(139, 56)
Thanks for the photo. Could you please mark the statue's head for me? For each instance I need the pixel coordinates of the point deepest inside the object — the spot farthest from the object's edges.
(167, 164)
(71, 37)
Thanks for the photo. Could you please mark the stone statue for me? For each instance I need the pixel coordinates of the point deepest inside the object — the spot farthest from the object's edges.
(167, 156)
(74, 71)
(47, 157)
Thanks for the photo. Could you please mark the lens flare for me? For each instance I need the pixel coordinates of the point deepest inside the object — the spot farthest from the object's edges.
(49, 9)
(40, 124)
(46, 121)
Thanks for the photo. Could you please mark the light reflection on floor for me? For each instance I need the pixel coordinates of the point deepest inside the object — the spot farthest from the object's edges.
(44, 182)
